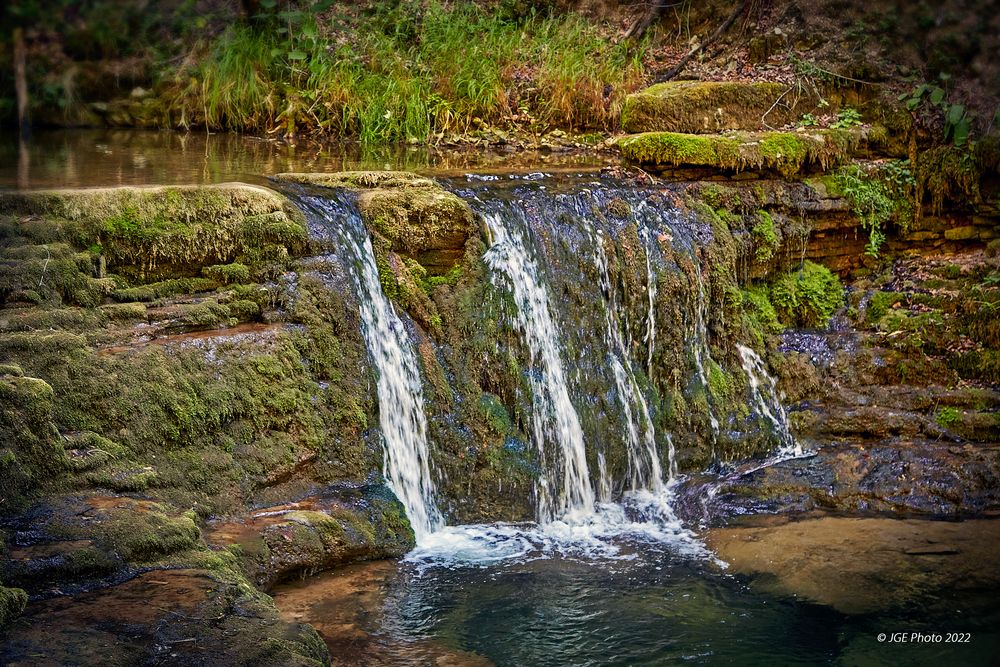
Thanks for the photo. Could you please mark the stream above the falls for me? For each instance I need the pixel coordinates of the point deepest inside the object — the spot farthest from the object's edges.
(107, 157)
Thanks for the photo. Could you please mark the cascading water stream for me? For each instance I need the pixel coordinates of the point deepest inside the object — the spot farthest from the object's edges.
(403, 423)
(701, 350)
(554, 418)
(764, 390)
(645, 470)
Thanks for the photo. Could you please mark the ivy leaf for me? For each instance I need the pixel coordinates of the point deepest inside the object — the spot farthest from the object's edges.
(956, 114)
(962, 132)
(937, 95)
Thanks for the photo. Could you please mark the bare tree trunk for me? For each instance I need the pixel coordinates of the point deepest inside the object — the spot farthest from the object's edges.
(23, 164)
(20, 82)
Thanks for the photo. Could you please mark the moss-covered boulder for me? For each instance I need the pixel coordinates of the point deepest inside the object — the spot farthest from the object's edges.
(150, 232)
(275, 544)
(409, 214)
(29, 450)
(714, 106)
(787, 153)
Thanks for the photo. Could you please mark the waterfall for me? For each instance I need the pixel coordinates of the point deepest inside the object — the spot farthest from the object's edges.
(701, 350)
(763, 389)
(648, 239)
(403, 423)
(645, 471)
(554, 418)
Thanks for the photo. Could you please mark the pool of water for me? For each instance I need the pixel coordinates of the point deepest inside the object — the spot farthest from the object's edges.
(654, 605)
(82, 158)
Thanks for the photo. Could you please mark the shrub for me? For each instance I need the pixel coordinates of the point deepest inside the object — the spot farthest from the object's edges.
(807, 297)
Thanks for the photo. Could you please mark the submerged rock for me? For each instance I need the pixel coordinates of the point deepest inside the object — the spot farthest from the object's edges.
(903, 477)
(860, 566)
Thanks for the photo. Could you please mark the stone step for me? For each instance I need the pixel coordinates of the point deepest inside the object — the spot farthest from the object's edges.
(787, 153)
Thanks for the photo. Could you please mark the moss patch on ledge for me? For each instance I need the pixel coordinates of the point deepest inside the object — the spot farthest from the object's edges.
(785, 152)
(712, 106)
(360, 180)
(159, 232)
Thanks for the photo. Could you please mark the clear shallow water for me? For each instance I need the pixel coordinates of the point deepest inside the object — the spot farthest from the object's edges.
(657, 607)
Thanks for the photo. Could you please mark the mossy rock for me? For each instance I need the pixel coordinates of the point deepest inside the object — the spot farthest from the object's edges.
(714, 106)
(29, 452)
(161, 232)
(272, 549)
(361, 180)
(85, 536)
(413, 215)
(787, 153)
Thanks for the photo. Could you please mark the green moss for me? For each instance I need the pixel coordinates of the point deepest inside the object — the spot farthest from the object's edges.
(228, 273)
(495, 414)
(720, 383)
(165, 288)
(785, 152)
(164, 232)
(977, 365)
(880, 303)
(764, 236)
(947, 417)
(357, 180)
(12, 603)
(29, 451)
(711, 106)
(52, 273)
(807, 297)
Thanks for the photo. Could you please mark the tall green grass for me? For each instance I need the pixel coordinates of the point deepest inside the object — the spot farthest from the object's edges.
(455, 63)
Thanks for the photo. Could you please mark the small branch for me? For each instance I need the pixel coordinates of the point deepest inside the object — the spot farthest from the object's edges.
(45, 266)
(764, 122)
(679, 67)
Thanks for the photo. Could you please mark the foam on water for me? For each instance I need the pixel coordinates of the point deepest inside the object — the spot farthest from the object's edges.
(613, 531)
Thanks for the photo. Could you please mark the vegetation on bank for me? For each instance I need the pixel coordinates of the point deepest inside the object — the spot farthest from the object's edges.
(807, 297)
(378, 71)
(407, 73)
